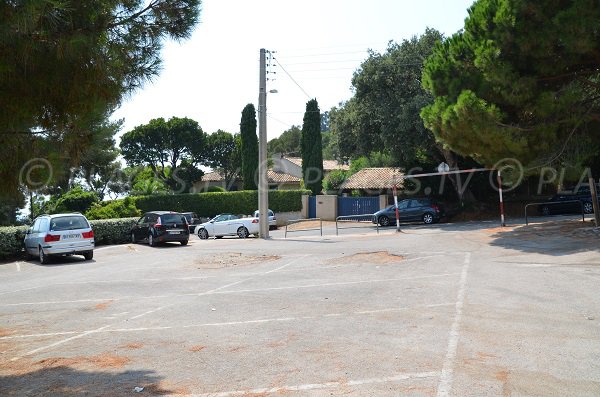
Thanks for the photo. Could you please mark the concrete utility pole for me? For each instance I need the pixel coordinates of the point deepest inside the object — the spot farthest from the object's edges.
(263, 184)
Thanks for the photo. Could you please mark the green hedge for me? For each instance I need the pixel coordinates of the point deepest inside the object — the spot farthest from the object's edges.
(106, 231)
(11, 240)
(113, 231)
(210, 204)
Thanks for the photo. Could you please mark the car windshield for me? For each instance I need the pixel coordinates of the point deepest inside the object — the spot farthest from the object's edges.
(68, 223)
(172, 218)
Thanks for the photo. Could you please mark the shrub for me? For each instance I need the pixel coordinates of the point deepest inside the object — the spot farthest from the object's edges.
(123, 208)
(113, 231)
(209, 204)
(75, 200)
(11, 240)
(334, 179)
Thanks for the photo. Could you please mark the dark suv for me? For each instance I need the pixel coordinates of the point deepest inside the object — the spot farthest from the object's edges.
(425, 210)
(161, 227)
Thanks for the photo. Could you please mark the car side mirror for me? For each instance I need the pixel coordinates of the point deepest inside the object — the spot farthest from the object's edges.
(29, 231)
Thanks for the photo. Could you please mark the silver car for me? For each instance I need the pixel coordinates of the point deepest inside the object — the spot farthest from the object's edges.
(272, 219)
(59, 234)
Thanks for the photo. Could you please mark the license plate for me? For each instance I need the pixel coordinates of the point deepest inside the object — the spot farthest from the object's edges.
(174, 232)
(70, 236)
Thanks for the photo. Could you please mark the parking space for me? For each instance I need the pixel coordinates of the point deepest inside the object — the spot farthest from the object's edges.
(442, 310)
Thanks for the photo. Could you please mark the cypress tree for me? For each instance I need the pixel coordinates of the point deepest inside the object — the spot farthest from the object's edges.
(312, 148)
(249, 147)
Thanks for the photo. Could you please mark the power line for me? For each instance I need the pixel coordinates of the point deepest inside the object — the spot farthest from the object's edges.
(325, 54)
(290, 76)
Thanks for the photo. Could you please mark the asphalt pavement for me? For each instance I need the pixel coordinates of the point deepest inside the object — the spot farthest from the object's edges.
(442, 310)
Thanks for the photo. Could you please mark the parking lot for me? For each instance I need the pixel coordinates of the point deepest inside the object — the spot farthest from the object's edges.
(446, 310)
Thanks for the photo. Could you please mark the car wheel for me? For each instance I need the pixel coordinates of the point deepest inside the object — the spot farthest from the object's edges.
(588, 208)
(133, 240)
(184, 242)
(242, 232)
(202, 234)
(545, 210)
(43, 257)
(151, 241)
(384, 221)
(427, 218)
(88, 255)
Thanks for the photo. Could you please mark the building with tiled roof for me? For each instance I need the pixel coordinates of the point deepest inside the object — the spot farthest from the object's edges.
(374, 179)
(277, 180)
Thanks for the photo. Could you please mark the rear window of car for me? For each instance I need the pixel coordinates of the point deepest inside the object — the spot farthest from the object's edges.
(172, 218)
(68, 223)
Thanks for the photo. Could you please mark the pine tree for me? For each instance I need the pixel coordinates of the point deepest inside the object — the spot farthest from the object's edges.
(249, 147)
(312, 148)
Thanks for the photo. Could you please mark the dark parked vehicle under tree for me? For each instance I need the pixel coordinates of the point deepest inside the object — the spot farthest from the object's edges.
(566, 202)
(161, 227)
(425, 209)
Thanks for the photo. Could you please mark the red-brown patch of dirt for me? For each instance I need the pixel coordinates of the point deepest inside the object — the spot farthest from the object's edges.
(103, 305)
(197, 348)
(132, 346)
(377, 257)
(104, 360)
(6, 332)
(232, 259)
(502, 376)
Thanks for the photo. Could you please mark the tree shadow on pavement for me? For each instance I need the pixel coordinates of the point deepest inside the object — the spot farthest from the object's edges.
(66, 381)
(556, 238)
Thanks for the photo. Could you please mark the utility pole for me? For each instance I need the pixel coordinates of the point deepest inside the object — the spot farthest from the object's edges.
(263, 184)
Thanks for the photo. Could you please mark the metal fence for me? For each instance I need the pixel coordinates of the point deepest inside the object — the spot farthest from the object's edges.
(554, 203)
(292, 222)
(363, 218)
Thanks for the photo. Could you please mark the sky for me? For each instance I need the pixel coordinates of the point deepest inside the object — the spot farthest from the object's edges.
(214, 74)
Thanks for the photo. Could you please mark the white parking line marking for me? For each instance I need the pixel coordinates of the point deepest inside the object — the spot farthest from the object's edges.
(18, 266)
(60, 342)
(446, 378)
(287, 264)
(219, 290)
(228, 323)
(320, 386)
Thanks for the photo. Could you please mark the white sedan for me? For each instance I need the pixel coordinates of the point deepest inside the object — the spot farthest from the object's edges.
(227, 225)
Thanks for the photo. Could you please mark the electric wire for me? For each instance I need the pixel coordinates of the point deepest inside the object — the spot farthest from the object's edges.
(290, 76)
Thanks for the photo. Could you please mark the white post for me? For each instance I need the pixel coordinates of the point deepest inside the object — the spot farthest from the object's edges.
(396, 205)
(501, 201)
(263, 184)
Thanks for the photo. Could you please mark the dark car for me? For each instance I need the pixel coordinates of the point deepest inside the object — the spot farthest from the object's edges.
(192, 220)
(569, 202)
(160, 227)
(425, 210)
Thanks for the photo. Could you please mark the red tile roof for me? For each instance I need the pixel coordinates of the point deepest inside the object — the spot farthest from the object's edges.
(374, 178)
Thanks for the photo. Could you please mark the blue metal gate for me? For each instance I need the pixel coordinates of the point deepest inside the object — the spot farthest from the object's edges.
(312, 207)
(357, 205)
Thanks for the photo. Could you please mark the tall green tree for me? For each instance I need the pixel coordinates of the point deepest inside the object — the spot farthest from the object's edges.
(63, 61)
(224, 155)
(249, 147)
(173, 149)
(287, 143)
(521, 80)
(312, 148)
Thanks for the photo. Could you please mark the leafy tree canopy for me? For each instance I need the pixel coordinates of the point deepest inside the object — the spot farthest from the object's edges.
(173, 149)
(521, 80)
(383, 115)
(224, 154)
(287, 143)
(64, 62)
